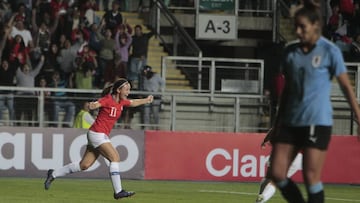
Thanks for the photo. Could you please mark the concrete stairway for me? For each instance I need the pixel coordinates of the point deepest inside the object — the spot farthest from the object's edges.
(174, 78)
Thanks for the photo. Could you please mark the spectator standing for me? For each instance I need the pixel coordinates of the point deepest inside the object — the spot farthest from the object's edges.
(155, 84)
(57, 6)
(138, 60)
(67, 56)
(16, 51)
(18, 28)
(42, 34)
(88, 9)
(106, 55)
(5, 10)
(84, 119)
(335, 21)
(43, 84)
(43, 13)
(25, 101)
(94, 41)
(61, 41)
(113, 17)
(43, 10)
(76, 26)
(123, 41)
(61, 102)
(51, 64)
(7, 76)
(23, 13)
(87, 69)
(83, 74)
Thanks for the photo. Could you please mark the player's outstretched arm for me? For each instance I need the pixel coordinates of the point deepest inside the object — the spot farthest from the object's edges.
(138, 102)
(94, 105)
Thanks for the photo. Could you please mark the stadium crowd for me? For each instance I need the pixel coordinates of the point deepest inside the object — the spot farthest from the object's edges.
(343, 27)
(64, 44)
(78, 48)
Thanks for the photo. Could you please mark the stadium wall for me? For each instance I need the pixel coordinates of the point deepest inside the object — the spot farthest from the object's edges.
(163, 155)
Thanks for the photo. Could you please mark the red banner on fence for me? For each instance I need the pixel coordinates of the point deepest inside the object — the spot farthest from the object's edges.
(234, 157)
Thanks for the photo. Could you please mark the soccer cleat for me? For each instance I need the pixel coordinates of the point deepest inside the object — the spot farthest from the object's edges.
(260, 199)
(50, 178)
(123, 194)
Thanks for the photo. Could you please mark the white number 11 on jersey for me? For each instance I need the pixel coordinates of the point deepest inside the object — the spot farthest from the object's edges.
(113, 112)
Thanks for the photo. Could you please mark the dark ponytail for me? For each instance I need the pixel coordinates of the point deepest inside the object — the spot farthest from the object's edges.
(106, 90)
(113, 87)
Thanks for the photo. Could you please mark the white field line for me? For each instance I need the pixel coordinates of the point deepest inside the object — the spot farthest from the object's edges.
(228, 192)
(250, 193)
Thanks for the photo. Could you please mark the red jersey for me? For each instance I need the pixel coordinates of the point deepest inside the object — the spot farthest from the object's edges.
(109, 113)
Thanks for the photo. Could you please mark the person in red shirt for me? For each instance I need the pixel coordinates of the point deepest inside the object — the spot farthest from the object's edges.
(110, 105)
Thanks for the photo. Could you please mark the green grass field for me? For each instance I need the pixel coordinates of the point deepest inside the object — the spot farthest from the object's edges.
(86, 190)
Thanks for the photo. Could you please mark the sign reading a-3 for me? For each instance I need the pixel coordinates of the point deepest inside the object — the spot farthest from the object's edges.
(216, 27)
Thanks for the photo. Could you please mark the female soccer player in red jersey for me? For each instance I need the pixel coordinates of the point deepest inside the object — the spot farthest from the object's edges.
(114, 98)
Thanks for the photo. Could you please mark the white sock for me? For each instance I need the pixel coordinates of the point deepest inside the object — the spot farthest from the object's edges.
(114, 171)
(268, 192)
(67, 169)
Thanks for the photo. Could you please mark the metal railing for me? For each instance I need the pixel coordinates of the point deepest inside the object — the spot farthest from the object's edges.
(219, 75)
(210, 107)
(180, 110)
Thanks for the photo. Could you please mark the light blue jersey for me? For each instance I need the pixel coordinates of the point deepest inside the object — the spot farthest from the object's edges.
(308, 83)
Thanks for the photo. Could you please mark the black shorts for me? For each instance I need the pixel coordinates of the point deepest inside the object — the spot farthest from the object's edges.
(304, 137)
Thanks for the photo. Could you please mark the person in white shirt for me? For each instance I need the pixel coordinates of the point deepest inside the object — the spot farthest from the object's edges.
(18, 28)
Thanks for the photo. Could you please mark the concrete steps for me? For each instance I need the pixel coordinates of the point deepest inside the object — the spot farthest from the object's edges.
(174, 78)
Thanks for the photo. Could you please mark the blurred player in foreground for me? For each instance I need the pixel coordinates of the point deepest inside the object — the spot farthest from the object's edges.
(267, 187)
(304, 122)
(114, 98)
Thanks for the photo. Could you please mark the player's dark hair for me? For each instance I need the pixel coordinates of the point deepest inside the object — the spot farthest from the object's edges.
(113, 87)
(311, 10)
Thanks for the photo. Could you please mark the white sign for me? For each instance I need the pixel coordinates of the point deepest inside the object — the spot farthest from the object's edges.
(216, 27)
(30, 152)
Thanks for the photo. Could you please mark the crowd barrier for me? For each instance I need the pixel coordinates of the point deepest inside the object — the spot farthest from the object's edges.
(163, 155)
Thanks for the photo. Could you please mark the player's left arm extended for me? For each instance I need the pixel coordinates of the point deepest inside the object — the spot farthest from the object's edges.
(138, 102)
(94, 105)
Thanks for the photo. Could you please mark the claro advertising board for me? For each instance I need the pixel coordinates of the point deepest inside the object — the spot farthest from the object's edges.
(235, 157)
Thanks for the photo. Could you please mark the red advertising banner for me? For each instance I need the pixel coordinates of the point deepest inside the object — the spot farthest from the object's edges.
(234, 157)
